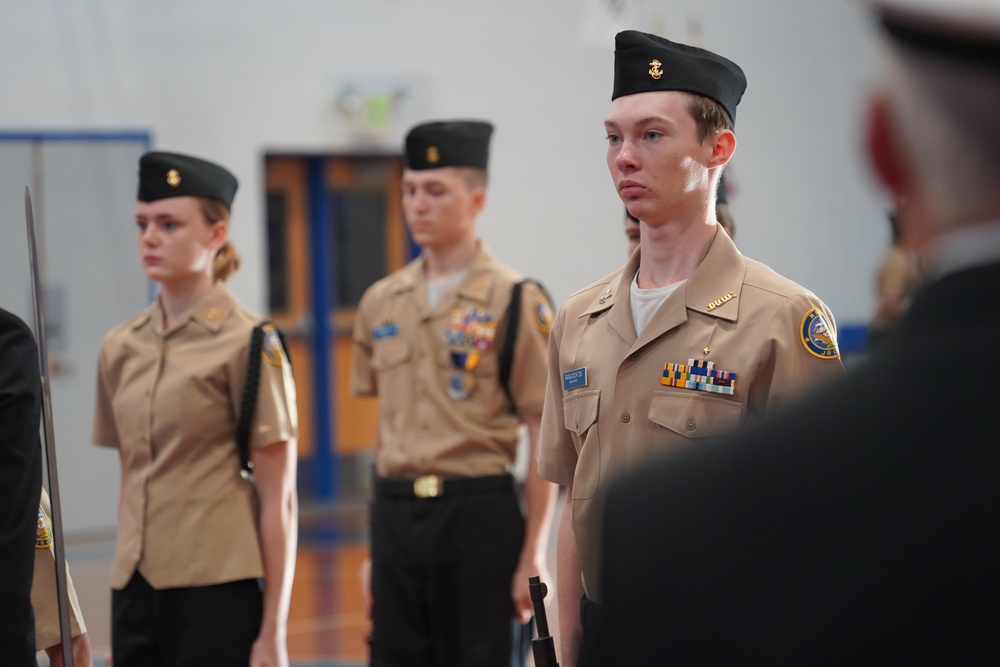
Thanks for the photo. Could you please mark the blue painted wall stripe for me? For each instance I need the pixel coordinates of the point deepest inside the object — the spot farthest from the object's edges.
(320, 213)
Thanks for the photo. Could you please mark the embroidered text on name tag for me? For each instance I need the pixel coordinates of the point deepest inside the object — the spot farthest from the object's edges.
(574, 379)
(387, 330)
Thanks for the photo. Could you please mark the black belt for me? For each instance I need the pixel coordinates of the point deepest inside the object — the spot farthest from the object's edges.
(436, 486)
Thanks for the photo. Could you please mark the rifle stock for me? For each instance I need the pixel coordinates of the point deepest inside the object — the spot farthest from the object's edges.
(543, 648)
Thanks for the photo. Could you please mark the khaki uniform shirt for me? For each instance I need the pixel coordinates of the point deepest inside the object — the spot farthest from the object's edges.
(606, 406)
(168, 399)
(44, 599)
(442, 409)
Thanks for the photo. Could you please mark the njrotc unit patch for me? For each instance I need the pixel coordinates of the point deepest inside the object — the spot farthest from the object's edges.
(818, 336)
(543, 314)
(43, 534)
(272, 349)
(699, 375)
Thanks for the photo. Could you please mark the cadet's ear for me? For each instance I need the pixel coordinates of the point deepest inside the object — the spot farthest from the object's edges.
(478, 199)
(883, 150)
(220, 234)
(723, 147)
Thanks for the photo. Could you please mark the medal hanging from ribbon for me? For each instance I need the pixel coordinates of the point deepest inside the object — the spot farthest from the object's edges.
(470, 333)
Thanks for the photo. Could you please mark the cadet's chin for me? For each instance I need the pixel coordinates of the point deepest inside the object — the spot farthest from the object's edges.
(422, 238)
(154, 272)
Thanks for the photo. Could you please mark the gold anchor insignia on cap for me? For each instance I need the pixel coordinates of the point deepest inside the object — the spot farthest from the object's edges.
(215, 314)
(173, 178)
(604, 296)
(433, 154)
(655, 72)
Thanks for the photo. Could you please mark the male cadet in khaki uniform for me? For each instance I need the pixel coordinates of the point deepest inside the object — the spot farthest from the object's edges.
(451, 552)
(45, 603)
(861, 526)
(690, 338)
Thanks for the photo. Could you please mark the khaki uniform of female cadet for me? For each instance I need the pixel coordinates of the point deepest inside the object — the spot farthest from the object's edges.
(447, 529)
(188, 552)
(615, 397)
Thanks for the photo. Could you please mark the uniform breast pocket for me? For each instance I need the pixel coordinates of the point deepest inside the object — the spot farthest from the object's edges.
(694, 415)
(580, 413)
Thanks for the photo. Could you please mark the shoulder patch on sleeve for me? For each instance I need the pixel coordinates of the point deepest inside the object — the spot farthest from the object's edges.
(817, 336)
(541, 313)
(272, 351)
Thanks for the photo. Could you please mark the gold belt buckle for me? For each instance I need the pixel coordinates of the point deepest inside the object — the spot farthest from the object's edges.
(428, 486)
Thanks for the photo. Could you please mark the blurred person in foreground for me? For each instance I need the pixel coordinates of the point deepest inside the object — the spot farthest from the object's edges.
(861, 526)
(20, 486)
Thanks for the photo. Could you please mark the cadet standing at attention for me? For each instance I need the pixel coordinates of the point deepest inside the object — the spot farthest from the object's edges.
(198, 534)
(453, 345)
(689, 339)
(861, 526)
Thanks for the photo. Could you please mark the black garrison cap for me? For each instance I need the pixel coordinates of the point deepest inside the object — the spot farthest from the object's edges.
(646, 63)
(959, 29)
(163, 175)
(455, 143)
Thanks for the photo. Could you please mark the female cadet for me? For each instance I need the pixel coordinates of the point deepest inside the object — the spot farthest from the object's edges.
(204, 559)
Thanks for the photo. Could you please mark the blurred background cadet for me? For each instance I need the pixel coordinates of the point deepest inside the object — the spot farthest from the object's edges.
(723, 213)
(632, 227)
(196, 396)
(897, 279)
(453, 345)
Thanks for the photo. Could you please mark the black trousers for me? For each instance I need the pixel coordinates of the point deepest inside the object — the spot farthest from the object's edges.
(214, 626)
(441, 578)
(594, 646)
